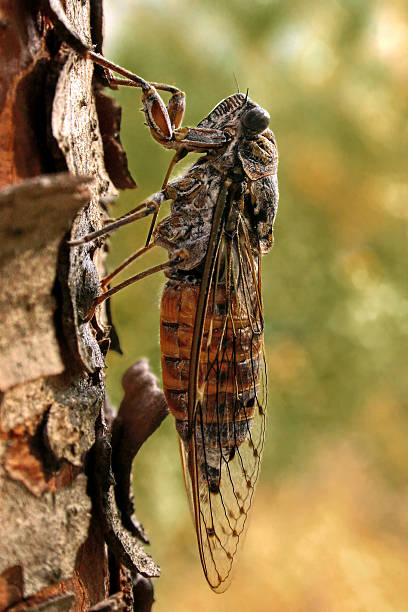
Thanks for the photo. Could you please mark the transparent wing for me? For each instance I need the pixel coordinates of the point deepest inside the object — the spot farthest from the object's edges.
(221, 458)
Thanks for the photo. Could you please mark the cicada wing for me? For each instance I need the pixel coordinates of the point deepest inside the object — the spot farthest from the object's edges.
(223, 453)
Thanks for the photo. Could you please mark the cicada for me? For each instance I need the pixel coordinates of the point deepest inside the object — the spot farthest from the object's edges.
(211, 320)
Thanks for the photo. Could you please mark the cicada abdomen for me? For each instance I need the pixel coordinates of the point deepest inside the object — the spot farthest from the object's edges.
(222, 441)
(229, 352)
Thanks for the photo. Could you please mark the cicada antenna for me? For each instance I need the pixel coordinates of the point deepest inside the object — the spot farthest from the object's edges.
(236, 82)
(247, 92)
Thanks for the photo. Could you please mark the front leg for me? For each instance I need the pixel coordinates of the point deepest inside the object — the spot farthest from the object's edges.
(164, 121)
(176, 105)
(161, 119)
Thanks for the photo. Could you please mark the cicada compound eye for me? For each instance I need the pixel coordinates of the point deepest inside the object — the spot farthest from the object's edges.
(256, 120)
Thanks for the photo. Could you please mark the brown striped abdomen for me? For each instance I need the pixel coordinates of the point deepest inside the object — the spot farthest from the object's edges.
(235, 362)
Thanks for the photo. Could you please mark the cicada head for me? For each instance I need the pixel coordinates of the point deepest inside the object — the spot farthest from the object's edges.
(255, 121)
(227, 112)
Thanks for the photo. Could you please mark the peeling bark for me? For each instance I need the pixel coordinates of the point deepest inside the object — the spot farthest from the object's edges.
(69, 538)
(34, 216)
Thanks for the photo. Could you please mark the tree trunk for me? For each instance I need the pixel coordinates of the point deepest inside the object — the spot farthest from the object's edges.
(68, 538)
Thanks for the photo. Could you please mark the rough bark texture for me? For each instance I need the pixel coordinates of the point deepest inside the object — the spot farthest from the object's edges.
(65, 544)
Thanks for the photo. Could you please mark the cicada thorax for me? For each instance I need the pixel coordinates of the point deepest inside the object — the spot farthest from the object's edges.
(230, 351)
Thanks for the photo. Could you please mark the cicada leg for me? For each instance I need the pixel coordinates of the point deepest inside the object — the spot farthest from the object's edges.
(145, 209)
(179, 256)
(105, 281)
(151, 206)
(161, 119)
(177, 157)
(164, 121)
(176, 105)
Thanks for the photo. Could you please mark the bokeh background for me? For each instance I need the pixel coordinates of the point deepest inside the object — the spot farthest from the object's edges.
(329, 527)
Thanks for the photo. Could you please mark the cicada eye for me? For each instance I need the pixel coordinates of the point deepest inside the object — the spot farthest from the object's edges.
(256, 120)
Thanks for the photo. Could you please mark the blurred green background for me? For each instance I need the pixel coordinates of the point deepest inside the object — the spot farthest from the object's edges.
(329, 528)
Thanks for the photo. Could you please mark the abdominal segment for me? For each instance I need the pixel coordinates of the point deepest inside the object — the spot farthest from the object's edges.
(229, 370)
